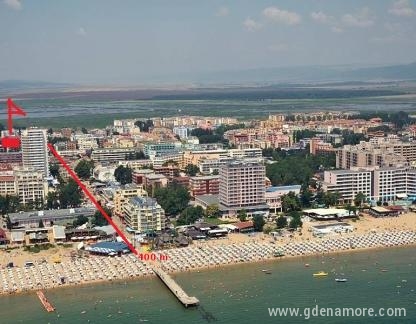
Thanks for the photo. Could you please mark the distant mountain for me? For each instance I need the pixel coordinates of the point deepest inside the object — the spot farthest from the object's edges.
(308, 74)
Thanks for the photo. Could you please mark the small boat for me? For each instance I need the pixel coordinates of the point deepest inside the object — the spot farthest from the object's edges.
(307, 265)
(267, 271)
(384, 270)
(320, 274)
(341, 279)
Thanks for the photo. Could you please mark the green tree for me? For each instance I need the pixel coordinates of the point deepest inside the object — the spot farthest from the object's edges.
(191, 170)
(242, 215)
(41, 225)
(144, 126)
(84, 130)
(52, 200)
(80, 220)
(351, 209)
(9, 224)
(123, 174)
(69, 194)
(190, 215)
(215, 172)
(305, 197)
(84, 169)
(98, 219)
(174, 198)
(331, 198)
(296, 220)
(9, 204)
(50, 131)
(212, 211)
(359, 199)
(54, 170)
(258, 223)
(290, 202)
(281, 222)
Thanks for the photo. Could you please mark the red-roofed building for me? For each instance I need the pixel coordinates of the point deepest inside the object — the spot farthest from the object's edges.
(244, 227)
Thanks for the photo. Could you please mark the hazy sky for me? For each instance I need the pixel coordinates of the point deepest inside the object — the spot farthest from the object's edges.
(137, 41)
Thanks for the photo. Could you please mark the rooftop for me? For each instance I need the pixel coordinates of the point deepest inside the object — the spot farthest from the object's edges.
(53, 213)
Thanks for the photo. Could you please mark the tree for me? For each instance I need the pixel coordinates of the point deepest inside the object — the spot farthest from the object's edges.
(50, 131)
(98, 219)
(242, 215)
(9, 204)
(295, 221)
(331, 198)
(80, 220)
(84, 130)
(212, 211)
(123, 174)
(52, 201)
(305, 197)
(281, 222)
(351, 209)
(54, 170)
(258, 223)
(290, 202)
(191, 170)
(359, 199)
(9, 224)
(174, 198)
(41, 225)
(84, 169)
(69, 194)
(215, 172)
(144, 126)
(190, 215)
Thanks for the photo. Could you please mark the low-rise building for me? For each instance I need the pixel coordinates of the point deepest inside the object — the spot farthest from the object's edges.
(143, 214)
(123, 194)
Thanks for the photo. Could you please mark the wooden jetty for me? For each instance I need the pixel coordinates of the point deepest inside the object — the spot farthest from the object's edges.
(48, 306)
(177, 290)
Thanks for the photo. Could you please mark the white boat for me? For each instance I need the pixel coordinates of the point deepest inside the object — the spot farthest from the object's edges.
(341, 279)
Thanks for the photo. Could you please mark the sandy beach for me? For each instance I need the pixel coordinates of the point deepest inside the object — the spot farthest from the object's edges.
(46, 273)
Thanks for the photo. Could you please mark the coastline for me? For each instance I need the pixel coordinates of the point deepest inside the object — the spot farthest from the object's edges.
(120, 269)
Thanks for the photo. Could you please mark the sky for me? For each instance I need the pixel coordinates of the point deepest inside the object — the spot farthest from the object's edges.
(142, 41)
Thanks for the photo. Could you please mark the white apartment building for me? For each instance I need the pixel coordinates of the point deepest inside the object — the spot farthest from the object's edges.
(348, 183)
(377, 184)
(30, 185)
(144, 214)
(86, 141)
(111, 155)
(34, 150)
(181, 131)
(123, 194)
(242, 184)
(379, 152)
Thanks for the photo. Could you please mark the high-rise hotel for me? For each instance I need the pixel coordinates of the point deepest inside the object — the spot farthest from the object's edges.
(242, 184)
(34, 150)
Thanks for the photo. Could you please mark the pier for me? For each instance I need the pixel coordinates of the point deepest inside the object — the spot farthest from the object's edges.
(177, 290)
(48, 306)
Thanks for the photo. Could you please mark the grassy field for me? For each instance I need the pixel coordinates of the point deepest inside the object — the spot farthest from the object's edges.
(98, 114)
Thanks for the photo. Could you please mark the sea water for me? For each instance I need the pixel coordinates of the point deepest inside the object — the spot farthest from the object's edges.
(239, 294)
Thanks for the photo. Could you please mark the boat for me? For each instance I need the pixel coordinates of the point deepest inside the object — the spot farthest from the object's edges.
(341, 279)
(267, 271)
(320, 274)
(307, 265)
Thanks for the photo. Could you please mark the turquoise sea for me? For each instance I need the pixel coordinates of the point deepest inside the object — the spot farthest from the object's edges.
(239, 294)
